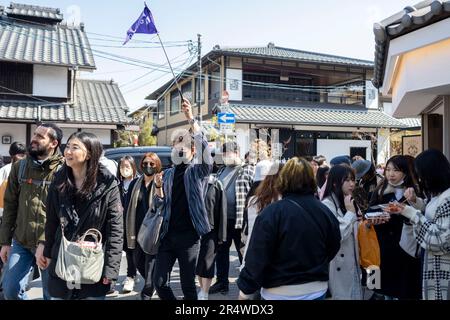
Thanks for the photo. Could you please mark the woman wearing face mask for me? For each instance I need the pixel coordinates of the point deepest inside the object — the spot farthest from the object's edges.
(139, 200)
(400, 272)
(126, 173)
(345, 273)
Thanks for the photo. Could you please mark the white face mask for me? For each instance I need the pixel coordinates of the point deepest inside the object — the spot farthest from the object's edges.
(179, 157)
(232, 160)
(126, 172)
(397, 184)
(229, 161)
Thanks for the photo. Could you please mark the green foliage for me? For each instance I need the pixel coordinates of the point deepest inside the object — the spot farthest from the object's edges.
(145, 136)
(123, 139)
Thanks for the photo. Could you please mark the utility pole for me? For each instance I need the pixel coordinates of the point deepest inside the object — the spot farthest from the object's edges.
(199, 92)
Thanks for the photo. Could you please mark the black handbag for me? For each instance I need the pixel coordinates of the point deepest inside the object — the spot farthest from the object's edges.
(149, 232)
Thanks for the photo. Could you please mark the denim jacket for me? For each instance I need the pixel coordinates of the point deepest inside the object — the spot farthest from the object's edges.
(195, 181)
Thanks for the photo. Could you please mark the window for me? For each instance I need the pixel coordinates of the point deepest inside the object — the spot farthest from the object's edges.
(17, 77)
(161, 108)
(305, 144)
(186, 89)
(214, 86)
(259, 92)
(174, 102)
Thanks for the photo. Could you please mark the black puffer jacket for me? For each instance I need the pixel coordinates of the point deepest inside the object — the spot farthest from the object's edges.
(103, 211)
(290, 244)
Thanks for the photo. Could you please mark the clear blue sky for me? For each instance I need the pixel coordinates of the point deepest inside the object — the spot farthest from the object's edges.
(329, 26)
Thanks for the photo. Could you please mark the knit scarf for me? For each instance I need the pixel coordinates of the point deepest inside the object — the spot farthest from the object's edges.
(131, 212)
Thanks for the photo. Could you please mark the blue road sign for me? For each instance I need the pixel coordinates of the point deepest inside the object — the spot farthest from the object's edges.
(226, 117)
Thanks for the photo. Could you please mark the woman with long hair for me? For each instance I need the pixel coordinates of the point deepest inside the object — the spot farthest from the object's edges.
(322, 175)
(400, 271)
(262, 193)
(139, 201)
(432, 229)
(345, 273)
(126, 172)
(84, 195)
(293, 241)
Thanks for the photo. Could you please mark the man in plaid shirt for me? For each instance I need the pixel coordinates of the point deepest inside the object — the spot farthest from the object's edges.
(237, 179)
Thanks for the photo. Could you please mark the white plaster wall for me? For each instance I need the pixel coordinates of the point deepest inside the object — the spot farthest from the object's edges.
(50, 81)
(331, 148)
(416, 69)
(17, 133)
(103, 134)
(383, 145)
(421, 78)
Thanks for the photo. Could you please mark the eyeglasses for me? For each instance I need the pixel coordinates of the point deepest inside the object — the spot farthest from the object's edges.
(148, 164)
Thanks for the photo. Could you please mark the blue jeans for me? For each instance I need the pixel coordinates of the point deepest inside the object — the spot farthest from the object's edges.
(17, 273)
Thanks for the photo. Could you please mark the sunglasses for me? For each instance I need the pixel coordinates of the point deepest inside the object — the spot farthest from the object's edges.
(148, 164)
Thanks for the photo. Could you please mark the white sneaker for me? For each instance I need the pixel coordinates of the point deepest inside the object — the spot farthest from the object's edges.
(128, 285)
(202, 295)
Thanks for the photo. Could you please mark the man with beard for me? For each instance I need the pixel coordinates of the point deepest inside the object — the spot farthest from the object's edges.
(22, 231)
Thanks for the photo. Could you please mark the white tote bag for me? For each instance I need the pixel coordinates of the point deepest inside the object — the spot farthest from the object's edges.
(408, 240)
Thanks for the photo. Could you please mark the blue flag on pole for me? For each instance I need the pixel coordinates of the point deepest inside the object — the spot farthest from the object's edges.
(145, 24)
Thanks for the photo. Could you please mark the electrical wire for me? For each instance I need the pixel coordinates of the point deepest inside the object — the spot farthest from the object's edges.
(163, 68)
(27, 95)
(174, 60)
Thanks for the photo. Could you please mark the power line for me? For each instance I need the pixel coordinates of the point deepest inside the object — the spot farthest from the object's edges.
(163, 68)
(178, 77)
(26, 94)
(174, 60)
(119, 39)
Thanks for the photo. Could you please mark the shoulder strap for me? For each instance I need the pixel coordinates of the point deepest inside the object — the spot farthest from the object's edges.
(40, 183)
(297, 204)
(21, 173)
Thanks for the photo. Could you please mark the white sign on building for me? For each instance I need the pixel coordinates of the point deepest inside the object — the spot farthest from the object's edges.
(234, 84)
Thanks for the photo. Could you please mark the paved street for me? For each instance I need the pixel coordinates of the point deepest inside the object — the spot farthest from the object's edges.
(35, 292)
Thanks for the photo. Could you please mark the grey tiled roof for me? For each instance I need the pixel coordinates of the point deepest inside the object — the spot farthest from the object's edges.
(45, 44)
(315, 114)
(409, 19)
(412, 122)
(25, 10)
(97, 102)
(292, 54)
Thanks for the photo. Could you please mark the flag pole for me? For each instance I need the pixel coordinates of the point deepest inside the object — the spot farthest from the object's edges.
(171, 69)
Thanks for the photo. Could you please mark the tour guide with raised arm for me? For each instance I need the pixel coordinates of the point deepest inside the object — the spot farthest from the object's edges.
(180, 195)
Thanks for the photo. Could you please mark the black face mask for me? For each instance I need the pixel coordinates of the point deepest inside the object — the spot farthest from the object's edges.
(181, 153)
(149, 171)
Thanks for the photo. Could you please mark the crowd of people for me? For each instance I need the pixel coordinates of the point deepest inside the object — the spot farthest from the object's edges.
(294, 224)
